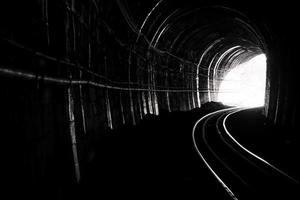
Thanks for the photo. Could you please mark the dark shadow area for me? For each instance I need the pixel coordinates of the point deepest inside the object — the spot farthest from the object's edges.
(157, 158)
(154, 159)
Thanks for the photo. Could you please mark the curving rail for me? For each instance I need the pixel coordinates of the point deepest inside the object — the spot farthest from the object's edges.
(242, 173)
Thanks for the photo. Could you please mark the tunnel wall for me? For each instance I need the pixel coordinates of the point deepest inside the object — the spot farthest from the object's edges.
(67, 78)
(282, 99)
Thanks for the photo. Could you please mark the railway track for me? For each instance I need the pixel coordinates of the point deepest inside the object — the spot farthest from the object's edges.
(242, 173)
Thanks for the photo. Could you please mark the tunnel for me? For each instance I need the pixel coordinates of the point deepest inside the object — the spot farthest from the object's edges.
(98, 92)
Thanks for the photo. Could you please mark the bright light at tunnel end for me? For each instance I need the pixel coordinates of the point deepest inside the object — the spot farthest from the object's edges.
(244, 85)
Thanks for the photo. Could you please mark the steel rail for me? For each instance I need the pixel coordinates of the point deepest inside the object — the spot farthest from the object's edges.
(223, 184)
(251, 153)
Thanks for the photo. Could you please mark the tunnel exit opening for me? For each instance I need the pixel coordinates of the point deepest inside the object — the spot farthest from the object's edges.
(245, 84)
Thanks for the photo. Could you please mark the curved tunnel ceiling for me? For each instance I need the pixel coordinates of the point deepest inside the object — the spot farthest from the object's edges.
(206, 40)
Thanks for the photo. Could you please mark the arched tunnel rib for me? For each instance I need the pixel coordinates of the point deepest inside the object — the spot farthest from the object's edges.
(75, 75)
(214, 34)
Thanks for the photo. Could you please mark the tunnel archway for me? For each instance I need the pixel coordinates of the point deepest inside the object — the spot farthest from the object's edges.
(191, 48)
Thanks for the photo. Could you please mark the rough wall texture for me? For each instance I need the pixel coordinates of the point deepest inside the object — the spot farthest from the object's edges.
(69, 74)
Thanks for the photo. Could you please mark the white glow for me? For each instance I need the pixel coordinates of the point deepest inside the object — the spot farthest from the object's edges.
(245, 84)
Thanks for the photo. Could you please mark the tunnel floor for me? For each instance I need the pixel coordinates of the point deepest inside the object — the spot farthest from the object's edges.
(157, 158)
